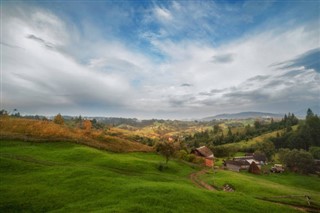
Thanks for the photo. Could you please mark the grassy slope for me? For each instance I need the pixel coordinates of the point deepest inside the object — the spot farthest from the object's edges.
(37, 130)
(66, 177)
(245, 144)
(268, 186)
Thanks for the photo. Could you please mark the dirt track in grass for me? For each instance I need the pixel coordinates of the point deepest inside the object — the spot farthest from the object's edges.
(194, 177)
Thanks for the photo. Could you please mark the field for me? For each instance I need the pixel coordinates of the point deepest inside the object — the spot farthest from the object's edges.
(286, 188)
(67, 177)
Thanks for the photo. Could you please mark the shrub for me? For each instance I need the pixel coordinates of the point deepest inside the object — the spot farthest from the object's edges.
(315, 151)
(191, 157)
(161, 166)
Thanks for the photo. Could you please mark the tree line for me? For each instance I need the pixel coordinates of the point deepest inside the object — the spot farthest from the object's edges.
(306, 136)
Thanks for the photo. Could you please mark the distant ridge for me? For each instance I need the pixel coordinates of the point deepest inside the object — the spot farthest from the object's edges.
(303, 112)
(243, 115)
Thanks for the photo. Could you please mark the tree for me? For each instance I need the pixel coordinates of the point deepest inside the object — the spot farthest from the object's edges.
(309, 114)
(216, 128)
(257, 124)
(299, 161)
(282, 155)
(266, 147)
(167, 149)
(87, 125)
(3, 112)
(15, 113)
(229, 132)
(58, 119)
(313, 124)
(224, 151)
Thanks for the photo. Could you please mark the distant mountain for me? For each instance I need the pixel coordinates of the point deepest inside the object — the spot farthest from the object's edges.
(243, 115)
(303, 112)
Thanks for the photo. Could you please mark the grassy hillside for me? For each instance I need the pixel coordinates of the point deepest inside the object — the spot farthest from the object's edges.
(272, 187)
(40, 131)
(66, 177)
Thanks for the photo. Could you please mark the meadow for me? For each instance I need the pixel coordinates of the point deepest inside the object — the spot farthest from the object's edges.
(286, 188)
(68, 177)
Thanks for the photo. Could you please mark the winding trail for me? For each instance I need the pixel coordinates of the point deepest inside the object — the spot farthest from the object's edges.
(194, 177)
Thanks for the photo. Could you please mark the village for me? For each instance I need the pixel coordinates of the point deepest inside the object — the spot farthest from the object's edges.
(249, 162)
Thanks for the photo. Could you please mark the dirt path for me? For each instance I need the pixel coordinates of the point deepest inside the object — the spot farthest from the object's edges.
(301, 208)
(194, 177)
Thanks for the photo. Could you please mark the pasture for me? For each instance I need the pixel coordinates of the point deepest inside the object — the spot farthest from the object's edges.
(68, 177)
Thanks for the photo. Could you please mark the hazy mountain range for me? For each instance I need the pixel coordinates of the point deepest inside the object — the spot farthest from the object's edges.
(242, 115)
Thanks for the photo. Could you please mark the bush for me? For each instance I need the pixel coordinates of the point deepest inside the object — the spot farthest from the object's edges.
(191, 157)
(198, 160)
(315, 151)
(182, 154)
(161, 167)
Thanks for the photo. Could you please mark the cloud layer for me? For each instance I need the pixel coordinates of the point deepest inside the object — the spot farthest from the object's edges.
(172, 65)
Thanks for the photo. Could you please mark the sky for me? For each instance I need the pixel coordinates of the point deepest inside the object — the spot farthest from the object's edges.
(159, 59)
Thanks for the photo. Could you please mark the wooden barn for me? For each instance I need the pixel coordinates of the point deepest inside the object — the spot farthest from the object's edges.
(254, 168)
(205, 153)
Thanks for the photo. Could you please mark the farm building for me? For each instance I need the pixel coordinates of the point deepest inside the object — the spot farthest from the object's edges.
(205, 153)
(254, 168)
(237, 165)
(258, 159)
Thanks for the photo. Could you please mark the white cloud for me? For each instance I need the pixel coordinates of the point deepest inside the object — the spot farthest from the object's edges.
(162, 14)
(40, 78)
(112, 77)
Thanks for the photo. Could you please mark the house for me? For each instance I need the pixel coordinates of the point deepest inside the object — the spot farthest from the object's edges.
(237, 165)
(243, 158)
(259, 159)
(205, 153)
(254, 168)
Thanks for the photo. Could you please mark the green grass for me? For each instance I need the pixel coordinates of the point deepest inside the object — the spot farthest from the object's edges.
(269, 185)
(66, 177)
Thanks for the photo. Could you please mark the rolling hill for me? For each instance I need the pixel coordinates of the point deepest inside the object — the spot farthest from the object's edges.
(67, 177)
(46, 131)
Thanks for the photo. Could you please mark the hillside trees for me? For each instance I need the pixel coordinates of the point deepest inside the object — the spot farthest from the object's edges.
(297, 160)
(307, 135)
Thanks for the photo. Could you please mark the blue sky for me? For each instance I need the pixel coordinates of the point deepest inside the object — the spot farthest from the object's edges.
(159, 59)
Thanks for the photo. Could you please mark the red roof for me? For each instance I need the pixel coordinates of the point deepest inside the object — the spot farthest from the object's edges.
(205, 152)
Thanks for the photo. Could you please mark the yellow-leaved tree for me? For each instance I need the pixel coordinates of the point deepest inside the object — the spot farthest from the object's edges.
(87, 125)
(58, 119)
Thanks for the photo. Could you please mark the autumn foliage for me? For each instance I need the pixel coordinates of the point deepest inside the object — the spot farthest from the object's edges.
(58, 119)
(49, 131)
(87, 125)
